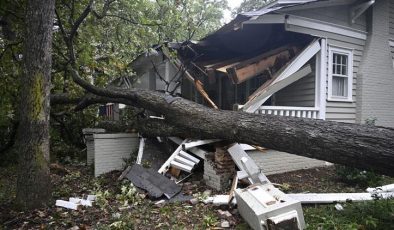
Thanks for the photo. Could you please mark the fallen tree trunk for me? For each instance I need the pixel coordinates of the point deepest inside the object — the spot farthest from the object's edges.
(360, 146)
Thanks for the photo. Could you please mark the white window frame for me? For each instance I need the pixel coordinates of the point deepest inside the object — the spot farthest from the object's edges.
(349, 53)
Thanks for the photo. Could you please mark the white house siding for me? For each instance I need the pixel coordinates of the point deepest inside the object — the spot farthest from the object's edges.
(391, 20)
(300, 93)
(376, 84)
(335, 14)
(339, 111)
(110, 150)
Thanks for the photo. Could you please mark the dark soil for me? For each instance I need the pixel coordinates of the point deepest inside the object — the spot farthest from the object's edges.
(77, 181)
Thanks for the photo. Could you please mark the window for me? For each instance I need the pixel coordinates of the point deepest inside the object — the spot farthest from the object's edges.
(340, 74)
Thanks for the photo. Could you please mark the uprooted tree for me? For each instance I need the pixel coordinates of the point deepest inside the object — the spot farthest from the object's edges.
(360, 146)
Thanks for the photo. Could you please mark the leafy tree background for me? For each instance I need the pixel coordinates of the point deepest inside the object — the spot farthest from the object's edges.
(111, 37)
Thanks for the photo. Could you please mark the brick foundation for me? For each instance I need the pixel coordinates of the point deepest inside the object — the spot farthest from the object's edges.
(219, 169)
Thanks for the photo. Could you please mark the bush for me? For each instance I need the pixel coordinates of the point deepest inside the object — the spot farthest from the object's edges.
(358, 177)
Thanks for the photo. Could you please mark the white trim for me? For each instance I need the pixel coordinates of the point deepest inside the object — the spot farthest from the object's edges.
(325, 26)
(391, 43)
(321, 79)
(358, 10)
(349, 53)
(267, 19)
(267, 107)
(308, 23)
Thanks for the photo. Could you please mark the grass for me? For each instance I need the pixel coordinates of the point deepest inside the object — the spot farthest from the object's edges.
(143, 214)
(377, 214)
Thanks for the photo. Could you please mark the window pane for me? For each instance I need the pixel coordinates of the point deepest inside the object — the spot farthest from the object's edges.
(338, 71)
(339, 86)
(344, 70)
(344, 60)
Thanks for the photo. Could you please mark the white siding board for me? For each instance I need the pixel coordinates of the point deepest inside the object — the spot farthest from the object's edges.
(300, 93)
(319, 33)
(334, 14)
(391, 20)
(111, 150)
(345, 111)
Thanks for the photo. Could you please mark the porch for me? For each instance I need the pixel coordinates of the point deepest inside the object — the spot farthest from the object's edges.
(288, 111)
(286, 81)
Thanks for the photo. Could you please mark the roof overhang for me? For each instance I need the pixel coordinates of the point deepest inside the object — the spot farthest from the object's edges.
(292, 20)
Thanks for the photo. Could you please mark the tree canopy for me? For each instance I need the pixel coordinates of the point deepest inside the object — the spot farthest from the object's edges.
(111, 36)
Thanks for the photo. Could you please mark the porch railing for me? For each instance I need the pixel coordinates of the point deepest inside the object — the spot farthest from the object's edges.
(304, 112)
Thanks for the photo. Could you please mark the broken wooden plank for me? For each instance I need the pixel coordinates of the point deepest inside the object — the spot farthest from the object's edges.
(140, 150)
(380, 189)
(247, 147)
(67, 204)
(124, 173)
(263, 95)
(246, 164)
(325, 198)
(196, 82)
(192, 144)
(255, 66)
(166, 165)
(289, 69)
(174, 172)
(205, 95)
(81, 201)
(234, 186)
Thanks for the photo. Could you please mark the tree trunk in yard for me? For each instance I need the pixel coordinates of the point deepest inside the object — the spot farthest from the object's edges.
(360, 146)
(33, 186)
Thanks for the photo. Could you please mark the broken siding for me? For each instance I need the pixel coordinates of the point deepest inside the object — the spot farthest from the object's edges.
(339, 111)
(335, 14)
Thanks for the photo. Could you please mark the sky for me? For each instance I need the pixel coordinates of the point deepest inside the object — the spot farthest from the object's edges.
(227, 13)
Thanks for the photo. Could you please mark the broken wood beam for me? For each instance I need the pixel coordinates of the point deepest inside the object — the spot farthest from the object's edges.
(67, 204)
(252, 105)
(192, 144)
(205, 95)
(140, 151)
(292, 66)
(196, 82)
(245, 70)
(326, 198)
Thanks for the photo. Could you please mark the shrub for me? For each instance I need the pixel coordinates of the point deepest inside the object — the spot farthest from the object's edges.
(358, 177)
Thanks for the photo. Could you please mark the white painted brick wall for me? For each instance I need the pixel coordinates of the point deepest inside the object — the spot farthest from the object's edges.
(376, 78)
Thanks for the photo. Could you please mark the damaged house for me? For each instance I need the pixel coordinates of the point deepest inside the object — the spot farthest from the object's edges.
(312, 59)
(315, 59)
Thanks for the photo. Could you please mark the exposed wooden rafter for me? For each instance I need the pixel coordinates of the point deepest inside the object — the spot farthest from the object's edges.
(244, 70)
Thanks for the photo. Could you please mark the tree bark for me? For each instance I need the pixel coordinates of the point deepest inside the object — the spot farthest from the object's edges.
(360, 146)
(33, 186)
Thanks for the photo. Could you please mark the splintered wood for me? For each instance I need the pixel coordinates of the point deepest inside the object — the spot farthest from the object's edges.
(244, 70)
